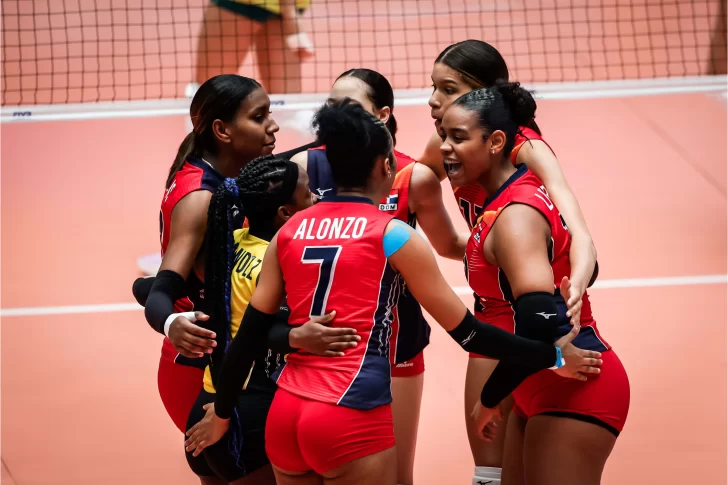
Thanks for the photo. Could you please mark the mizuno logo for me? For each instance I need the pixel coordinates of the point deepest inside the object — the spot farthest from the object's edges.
(546, 315)
(321, 192)
(469, 338)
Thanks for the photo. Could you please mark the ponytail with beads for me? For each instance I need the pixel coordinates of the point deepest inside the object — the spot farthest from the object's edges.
(256, 193)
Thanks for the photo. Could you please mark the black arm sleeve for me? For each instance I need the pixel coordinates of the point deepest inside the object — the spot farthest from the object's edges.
(278, 335)
(239, 358)
(481, 338)
(167, 288)
(506, 377)
(141, 288)
(536, 319)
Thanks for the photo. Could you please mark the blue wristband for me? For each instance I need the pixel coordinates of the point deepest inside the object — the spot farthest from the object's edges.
(560, 362)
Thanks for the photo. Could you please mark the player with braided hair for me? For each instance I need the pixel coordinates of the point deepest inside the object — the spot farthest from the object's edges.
(267, 192)
(331, 419)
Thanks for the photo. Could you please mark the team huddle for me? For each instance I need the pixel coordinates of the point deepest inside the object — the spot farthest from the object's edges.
(292, 288)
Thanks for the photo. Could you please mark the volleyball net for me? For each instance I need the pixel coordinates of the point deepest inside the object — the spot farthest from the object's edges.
(113, 55)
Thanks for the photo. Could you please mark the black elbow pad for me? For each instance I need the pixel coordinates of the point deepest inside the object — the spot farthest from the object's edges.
(141, 288)
(537, 316)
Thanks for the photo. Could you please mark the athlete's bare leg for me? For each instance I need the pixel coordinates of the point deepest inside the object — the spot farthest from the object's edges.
(406, 404)
(291, 478)
(485, 453)
(376, 469)
(576, 453)
(225, 40)
(512, 473)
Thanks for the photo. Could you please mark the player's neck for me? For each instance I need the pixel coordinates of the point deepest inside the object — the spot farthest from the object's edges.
(262, 232)
(371, 195)
(498, 175)
(224, 164)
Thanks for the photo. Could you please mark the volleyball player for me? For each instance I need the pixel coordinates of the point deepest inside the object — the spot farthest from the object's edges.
(561, 431)
(230, 29)
(415, 197)
(330, 419)
(460, 68)
(232, 125)
(268, 191)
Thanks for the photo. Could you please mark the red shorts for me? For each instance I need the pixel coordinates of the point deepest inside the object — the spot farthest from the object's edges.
(303, 435)
(602, 399)
(410, 368)
(179, 386)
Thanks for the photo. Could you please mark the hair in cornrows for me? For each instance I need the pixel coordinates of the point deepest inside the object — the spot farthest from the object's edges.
(255, 194)
(505, 106)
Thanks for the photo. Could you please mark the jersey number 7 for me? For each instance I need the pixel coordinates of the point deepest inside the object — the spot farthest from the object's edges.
(326, 257)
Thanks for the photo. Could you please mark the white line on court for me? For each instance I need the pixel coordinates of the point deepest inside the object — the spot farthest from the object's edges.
(460, 290)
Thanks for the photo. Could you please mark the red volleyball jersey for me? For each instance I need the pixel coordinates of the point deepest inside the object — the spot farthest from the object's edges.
(410, 330)
(332, 258)
(471, 198)
(491, 283)
(194, 175)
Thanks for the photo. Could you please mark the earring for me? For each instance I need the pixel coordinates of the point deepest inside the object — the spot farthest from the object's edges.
(492, 152)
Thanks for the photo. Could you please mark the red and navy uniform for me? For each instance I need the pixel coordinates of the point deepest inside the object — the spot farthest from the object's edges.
(328, 412)
(332, 258)
(408, 341)
(471, 199)
(180, 378)
(604, 397)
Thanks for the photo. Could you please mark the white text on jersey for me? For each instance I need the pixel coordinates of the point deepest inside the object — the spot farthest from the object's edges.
(338, 228)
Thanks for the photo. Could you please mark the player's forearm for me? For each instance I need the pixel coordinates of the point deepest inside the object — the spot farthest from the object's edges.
(239, 359)
(506, 377)
(168, 286)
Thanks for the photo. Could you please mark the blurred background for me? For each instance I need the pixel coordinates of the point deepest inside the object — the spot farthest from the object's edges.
(95, 97)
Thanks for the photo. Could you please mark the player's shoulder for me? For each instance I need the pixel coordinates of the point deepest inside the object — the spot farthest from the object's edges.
(403, 160)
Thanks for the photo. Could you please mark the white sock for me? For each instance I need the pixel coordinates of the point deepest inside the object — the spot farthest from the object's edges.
(485, 475)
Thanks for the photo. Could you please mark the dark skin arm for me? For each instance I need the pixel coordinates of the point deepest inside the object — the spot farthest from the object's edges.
(583, 254)
(425, 200)
(189, 224)
(518, 244)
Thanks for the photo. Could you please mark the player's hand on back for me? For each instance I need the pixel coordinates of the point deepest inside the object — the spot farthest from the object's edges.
(316, 337)
(208, 431)
(191, 340)
(579, 362)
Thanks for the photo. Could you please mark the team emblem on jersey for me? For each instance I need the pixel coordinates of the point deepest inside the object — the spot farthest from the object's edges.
(390, 203)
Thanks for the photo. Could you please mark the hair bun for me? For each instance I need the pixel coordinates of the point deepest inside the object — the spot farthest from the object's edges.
(519, 101)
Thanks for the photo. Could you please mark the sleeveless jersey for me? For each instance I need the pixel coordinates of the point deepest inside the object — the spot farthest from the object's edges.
(410, 339)
(249, 252)
(491, 283)
(332, 258)
(471, 198)
(410, 330)
(194, 175)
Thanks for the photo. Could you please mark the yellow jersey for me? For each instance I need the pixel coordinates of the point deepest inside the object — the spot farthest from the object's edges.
(249, 252)
(273, 6)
